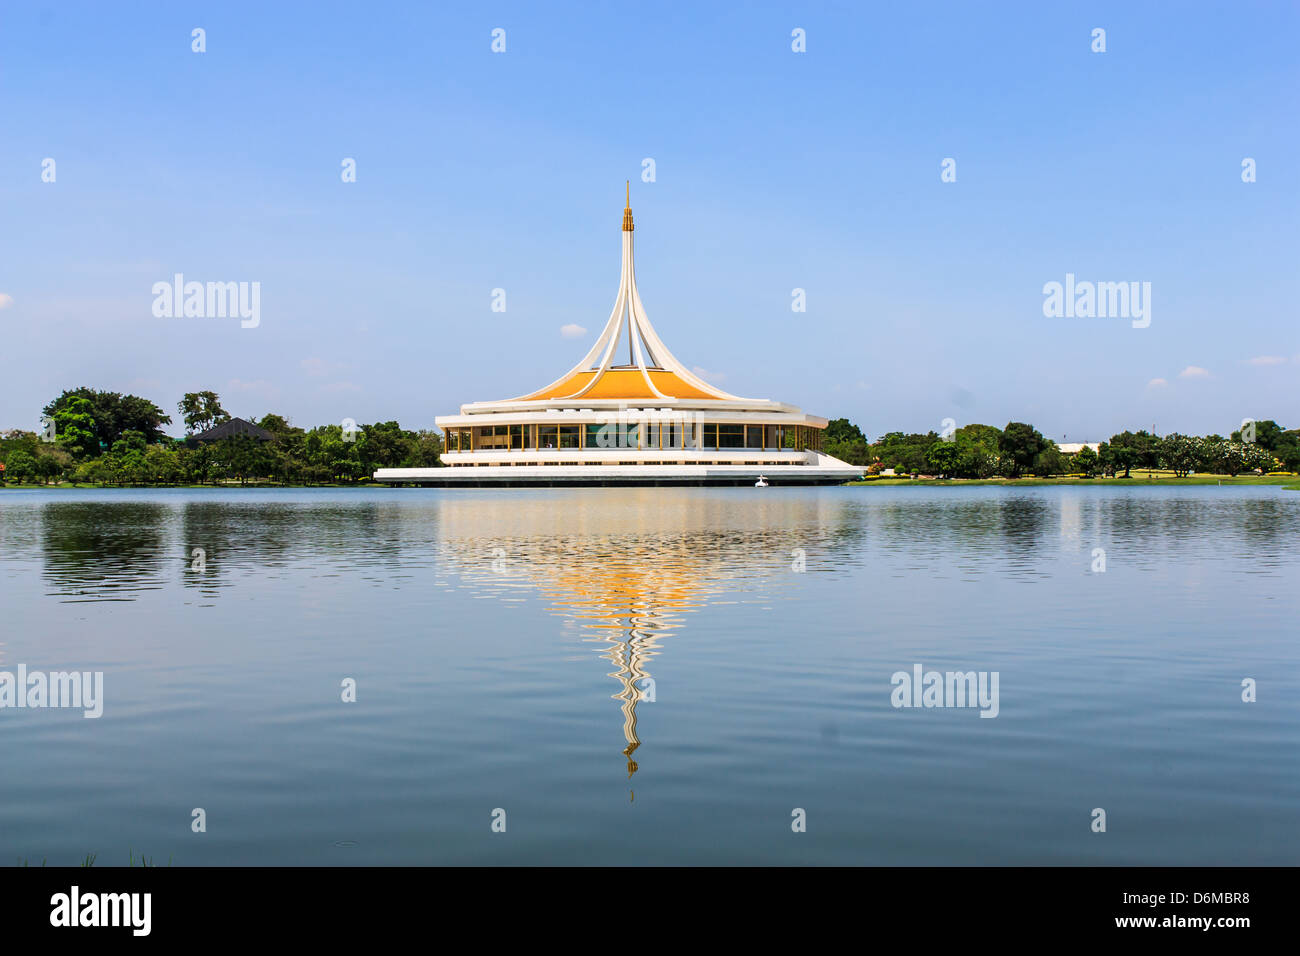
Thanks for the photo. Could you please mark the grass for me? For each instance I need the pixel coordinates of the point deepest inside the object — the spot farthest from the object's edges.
(1143, 477)
(33, 485)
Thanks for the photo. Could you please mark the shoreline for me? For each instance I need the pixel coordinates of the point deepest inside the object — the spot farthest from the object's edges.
(1146, 480)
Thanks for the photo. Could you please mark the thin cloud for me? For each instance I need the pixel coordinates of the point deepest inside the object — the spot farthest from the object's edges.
(572, 331)
(1266, 360)
(6, 300)
(1194, 371)
(316, 366)
(1157, 383)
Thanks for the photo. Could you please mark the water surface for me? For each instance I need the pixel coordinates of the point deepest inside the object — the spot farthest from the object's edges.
(646, 676)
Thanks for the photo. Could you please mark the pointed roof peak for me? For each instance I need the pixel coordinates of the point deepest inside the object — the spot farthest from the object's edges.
(651, 372)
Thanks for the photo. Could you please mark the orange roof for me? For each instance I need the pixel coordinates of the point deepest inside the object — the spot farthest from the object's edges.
(623, 383)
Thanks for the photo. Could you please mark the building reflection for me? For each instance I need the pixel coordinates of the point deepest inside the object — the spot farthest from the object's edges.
(629, 570)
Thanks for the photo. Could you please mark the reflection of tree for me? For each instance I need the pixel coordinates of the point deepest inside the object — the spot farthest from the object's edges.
(94, 552)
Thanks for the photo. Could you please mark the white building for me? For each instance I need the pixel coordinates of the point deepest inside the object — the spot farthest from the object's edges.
(629, 413)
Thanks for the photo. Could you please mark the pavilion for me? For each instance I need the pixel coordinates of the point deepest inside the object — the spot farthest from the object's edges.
(647, 420)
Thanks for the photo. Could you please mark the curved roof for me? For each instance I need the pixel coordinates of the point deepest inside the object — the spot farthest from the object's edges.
(624, 383)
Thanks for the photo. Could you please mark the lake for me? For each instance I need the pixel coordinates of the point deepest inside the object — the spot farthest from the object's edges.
(655, 675)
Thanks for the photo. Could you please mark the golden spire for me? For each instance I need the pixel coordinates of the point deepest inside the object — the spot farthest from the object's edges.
(627, 210)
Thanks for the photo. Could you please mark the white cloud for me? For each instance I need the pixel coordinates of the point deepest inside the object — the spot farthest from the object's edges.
(708, 376)
(1157, 383)
(6, 300)
(1267, 360)
(1194, 371)
(572, 331)
(258, 387)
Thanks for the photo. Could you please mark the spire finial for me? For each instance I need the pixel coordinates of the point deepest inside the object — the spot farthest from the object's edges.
(627, 209)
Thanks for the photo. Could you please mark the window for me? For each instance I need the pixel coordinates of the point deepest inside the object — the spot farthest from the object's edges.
(753, 436)
(519, 437)
(731, 436)
(568, 436)
(547, 436)
(491, 436)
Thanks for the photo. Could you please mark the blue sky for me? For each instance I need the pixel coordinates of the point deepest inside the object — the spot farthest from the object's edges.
(774, 170)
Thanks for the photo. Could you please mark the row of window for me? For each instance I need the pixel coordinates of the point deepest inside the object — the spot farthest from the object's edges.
(714, 435)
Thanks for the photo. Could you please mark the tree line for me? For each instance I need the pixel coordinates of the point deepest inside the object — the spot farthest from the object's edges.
(1019, 449)
(102, 437)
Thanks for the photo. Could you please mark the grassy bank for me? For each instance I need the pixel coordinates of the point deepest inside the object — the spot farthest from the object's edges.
(221, 485)
(1138, 478)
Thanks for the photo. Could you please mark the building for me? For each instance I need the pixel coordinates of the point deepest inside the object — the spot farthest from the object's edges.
(1074, 447)
(629, 413)
(234, 428)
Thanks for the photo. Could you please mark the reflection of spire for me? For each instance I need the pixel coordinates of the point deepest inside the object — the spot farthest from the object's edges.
(630, 658)
(626, 572)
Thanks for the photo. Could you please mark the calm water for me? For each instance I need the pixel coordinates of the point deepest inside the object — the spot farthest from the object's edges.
(501, 643)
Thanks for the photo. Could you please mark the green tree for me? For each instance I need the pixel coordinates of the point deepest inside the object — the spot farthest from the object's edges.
(842, 430)
(1178, 453)
(1050, 461)
(20, 466)
(74, 427)
(1018, 447)
(943, 458)
(201, 411)
(1086, 461)
(114, 413)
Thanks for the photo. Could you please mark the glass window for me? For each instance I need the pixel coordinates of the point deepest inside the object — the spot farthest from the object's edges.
(731, 436)
(547, 436)
(568, 436)
(753, 436)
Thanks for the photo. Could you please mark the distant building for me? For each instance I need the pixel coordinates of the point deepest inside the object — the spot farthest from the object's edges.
(234, 428)
(1074, 447)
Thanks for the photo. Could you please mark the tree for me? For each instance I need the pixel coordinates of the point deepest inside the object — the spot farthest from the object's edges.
(1018, 447)
(114, 413)
(53, 461)
(20, 466)
(74, 427)
(1178, 454)
(201, 411)
(1086, 461)
(1116, 455)
(1050, 461)
(943, 458)
(842, 430)
(1287, 450)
